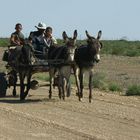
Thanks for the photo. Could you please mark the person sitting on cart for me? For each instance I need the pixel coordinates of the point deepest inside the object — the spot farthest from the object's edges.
(36, 38)
(16, 42)
(17, 38)
(49, 39)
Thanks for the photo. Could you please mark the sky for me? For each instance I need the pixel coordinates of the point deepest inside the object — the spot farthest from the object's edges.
(116, 18)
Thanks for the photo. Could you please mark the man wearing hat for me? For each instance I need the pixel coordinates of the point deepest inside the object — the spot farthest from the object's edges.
(37, 39)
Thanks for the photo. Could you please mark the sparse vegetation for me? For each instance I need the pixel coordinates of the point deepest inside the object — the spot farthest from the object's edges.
(121, 47)
(99, 81)
(115, 87)
(4, 42)
(41, 76)
(114, 47)
(72, 79)
(133, 90)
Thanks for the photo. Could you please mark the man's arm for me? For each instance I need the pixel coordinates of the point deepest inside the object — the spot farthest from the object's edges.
(14, 40)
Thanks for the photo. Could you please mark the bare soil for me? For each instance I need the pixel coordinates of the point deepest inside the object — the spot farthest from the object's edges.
(108, 117)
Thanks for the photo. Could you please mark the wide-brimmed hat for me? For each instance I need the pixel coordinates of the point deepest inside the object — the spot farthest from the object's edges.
(41, 25)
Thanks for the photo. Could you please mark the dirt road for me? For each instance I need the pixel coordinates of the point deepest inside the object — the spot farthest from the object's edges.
(108, 117)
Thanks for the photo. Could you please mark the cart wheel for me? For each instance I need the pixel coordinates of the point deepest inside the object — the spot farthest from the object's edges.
(3, 85)
(34, 84)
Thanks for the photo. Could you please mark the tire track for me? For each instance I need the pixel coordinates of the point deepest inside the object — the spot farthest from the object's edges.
(97, 114)
(46, 123)
(113, 102)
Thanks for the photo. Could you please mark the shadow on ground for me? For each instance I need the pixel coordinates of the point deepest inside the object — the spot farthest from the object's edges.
(16, 100)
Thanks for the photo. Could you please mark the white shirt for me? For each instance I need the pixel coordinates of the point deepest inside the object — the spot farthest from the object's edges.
(50, 41)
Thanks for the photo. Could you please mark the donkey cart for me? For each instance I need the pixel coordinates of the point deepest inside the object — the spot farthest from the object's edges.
(10, 77)
(58, 57)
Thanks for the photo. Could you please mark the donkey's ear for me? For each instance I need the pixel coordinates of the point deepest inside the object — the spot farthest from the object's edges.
(99, 34)
(65, 37)
(75, 34)
(87, 34)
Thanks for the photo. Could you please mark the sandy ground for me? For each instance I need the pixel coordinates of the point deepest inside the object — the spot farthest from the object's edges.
(108, 117)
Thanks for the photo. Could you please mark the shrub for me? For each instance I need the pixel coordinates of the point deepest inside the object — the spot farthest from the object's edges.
(72, 80)
(114, 87)
(133, 90)
(114, 47)
(99, 81)
(123, 48)
(43, 77)
(116, 50)
(4, 42)
(132, 53)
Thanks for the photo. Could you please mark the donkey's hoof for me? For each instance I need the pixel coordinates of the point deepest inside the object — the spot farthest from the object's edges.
(89, 100)
(22, 98)
(80, 99)
(59, 95)
(63, 98)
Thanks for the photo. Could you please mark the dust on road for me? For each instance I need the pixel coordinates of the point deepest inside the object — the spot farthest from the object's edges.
(108, 117)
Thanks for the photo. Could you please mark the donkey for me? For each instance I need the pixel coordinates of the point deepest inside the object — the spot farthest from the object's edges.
(65, 53)
(25, 71)
(85, 58)
(22, 66)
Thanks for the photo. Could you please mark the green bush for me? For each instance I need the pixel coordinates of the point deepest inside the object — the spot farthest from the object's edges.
(60, 42)
(114, 47)
(4, 42)
(72, 80)
(115, 87)
(121, 47)
(43, 77)
(132, 53)
(133, 90)
(99, 81)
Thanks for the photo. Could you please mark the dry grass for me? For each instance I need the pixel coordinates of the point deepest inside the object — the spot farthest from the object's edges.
(122, 70)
